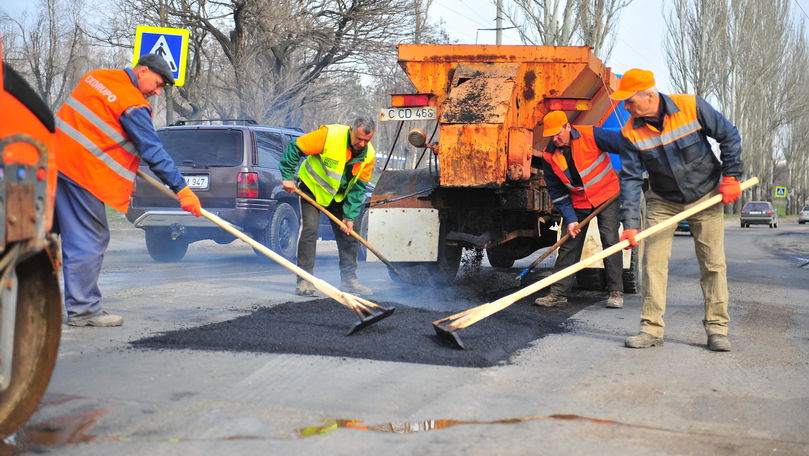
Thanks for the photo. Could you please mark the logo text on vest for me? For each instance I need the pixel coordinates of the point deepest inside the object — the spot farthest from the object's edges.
(101, 88)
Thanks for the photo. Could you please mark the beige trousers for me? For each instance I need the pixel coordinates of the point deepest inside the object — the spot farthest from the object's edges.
(708, 228)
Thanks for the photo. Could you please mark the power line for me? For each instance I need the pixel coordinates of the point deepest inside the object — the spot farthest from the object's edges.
(801, 8)
(460, 14)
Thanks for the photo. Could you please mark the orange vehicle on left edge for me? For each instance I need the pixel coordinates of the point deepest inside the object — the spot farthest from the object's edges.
(30, 301)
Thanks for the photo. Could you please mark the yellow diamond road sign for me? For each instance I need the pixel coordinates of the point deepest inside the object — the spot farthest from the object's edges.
(169, 43)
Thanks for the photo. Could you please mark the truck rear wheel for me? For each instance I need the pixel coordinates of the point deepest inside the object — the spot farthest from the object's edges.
(500, 258)
(162, 248)
(37, 330)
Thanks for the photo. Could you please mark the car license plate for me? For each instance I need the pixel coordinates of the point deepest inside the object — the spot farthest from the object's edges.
(196, 181)
(408, 113)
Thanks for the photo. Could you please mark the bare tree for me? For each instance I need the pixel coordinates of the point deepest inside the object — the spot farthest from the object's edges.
(568, 22)
(49, 49)
(714, 48)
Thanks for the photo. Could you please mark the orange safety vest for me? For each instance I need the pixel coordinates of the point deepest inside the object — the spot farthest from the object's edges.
(94, 150)
(599, 182)
(676, 125)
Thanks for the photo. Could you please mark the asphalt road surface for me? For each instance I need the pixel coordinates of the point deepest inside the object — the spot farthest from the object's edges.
(217, 356)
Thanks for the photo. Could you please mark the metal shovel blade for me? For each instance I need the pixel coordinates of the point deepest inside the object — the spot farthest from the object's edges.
(371, 319)
(449, 336)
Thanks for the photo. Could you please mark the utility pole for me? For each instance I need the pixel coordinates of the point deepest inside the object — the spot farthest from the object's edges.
(167, 89)
(499, 22)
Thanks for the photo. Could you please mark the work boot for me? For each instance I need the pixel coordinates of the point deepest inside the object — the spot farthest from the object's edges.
(643, 340)
(616, 300)
(354, 286)
(100, 319)
(718, 343)
(305, 288)
(550, 300)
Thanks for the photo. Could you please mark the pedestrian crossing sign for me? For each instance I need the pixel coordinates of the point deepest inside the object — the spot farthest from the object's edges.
(169, 43)
(780, 192)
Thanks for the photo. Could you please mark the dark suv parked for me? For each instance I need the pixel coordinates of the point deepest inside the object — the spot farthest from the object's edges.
(234, 171)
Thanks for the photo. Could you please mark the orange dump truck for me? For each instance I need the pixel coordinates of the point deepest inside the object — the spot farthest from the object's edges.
(30, 302)
(484, 187)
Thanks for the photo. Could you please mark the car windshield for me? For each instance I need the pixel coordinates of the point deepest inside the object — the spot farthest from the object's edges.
(757, 207)
(214, 147)
(806, 209)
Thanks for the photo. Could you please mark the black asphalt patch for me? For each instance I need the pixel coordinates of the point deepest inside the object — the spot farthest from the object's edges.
(318, 327)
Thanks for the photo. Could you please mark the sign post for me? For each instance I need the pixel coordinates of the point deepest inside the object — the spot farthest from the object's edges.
(169, 43)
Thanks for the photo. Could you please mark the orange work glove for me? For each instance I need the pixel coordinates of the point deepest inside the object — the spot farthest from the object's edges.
(629, 235)
(189, 201)
(730, 189)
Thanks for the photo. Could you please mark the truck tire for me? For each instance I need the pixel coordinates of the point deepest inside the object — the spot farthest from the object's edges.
(37, 329)
(633, 277)
(361, 227)
(281, 234)
(162, 248)
(500, 258)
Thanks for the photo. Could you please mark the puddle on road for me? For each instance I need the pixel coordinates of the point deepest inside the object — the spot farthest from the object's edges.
(331, 424)
(52, 433)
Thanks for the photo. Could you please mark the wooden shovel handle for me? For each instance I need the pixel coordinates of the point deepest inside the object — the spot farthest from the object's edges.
(467, 318)
(330, 291)
(342, 225)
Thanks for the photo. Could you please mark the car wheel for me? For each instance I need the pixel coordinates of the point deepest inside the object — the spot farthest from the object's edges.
(742, 225)
(162, 248)
(281, 234)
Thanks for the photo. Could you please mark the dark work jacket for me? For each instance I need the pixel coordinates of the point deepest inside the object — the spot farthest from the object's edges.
(682, 166)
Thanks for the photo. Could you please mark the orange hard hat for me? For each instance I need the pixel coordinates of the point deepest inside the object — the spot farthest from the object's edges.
(553, 123)
(632, 82)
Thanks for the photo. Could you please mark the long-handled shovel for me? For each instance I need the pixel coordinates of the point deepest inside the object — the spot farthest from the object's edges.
(368, 312)
(564, 238)
(471, 316)
(342, 225)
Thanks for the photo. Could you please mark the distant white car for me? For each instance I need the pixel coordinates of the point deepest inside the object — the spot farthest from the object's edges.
(803, 216)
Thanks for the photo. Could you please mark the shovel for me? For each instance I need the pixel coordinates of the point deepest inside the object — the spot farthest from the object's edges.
(471, 316)
(564, 238)
(342, 225)
(368, 312)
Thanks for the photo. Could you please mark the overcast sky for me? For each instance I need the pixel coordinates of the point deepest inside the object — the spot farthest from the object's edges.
(639, 39)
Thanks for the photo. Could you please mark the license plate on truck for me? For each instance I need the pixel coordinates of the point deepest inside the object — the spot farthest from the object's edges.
(407, 113)
(198, 181)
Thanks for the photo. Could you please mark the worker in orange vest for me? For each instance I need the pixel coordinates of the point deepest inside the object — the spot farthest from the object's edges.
(667, 136)
(104, 129)
(578, 171)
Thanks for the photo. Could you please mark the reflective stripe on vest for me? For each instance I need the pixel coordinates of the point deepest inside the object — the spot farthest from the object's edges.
(599, 182)
(324, 180)
(676, 125)
(94, 150)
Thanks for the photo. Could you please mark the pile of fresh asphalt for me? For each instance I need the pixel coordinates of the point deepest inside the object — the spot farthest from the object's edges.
(318, 327)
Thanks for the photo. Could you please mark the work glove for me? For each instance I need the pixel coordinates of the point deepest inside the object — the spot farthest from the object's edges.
(730, 189)
(189, 201)
(629, 235)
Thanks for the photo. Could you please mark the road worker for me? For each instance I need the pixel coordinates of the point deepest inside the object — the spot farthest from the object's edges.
(104, 130)
(580, 178)
(667, 135)
(338, 161)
